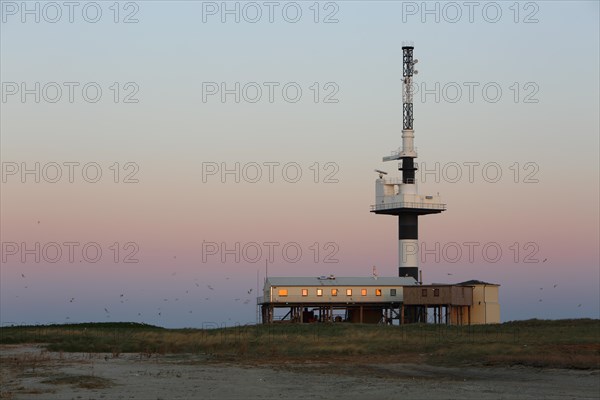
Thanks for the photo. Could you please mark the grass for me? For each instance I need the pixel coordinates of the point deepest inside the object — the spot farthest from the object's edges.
(538, 343)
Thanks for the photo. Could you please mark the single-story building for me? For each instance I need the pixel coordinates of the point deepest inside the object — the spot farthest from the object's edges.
(363, 300)
(378, 300)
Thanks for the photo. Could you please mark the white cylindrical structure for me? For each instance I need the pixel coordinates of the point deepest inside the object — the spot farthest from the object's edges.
(408, 144)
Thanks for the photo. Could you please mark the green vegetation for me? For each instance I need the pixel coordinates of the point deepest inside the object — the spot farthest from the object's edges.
(540, 343)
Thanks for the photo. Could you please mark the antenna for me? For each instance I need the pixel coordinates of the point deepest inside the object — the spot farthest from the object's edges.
(407, 95)
(381, 173)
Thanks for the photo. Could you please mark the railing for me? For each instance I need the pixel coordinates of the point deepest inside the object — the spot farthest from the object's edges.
(386, 206)
(392, 181)
(400, 151)
(398, 181)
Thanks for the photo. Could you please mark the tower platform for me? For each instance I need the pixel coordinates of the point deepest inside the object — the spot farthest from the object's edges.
(404, 208)
(394, 197)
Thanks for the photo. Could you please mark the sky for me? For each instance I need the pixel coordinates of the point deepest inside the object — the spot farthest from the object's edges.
(157, 157)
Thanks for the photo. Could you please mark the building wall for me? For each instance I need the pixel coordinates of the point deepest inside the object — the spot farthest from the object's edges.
(485, 309)
(294, 294)
(454, 295)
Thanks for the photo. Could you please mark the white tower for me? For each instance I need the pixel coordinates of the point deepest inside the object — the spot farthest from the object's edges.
(400, 196)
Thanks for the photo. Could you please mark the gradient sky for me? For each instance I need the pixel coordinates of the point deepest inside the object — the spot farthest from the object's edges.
(551, 212)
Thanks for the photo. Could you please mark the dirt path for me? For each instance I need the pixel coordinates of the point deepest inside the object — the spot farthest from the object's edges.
(28, 372)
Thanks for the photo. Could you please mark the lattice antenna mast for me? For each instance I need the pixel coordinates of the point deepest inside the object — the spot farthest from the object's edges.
(407, 89)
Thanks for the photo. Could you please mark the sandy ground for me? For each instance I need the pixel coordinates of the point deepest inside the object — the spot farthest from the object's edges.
(133, 376)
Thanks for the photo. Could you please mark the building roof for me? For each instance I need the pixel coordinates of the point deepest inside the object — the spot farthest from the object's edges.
(340, 281)
(476, 282)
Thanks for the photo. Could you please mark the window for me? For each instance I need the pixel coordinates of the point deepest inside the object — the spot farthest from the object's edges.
(392, 292)
(377, 292)
(283, 292)
(363, 292)
(436, 292)
(319, 292)
(304, 292)
(334, 292)
(348, 292)
(423, 292)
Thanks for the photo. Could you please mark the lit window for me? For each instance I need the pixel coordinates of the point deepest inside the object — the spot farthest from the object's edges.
(424, 292)
(319, 292)
(436, 292)
(363, 292)
(283, 292)
(377, 292)
(392, 292)
(348, 292)
(334, 292)
(304, 292)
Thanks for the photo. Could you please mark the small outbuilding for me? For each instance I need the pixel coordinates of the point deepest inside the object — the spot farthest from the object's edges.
(466, 303)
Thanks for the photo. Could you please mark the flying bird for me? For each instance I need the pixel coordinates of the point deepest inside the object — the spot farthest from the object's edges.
(106, 311)
(210, 287)
(22, 275)
(556, 285)
(249, 291)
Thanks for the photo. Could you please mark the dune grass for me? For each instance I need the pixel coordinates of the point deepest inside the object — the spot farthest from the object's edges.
(539, 343)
